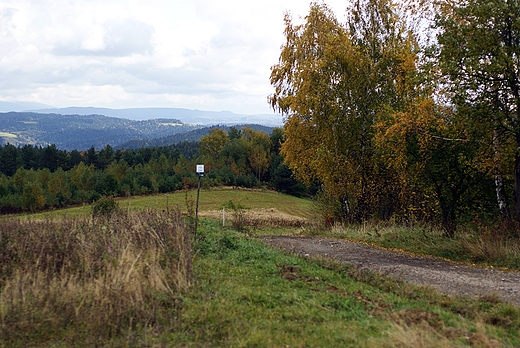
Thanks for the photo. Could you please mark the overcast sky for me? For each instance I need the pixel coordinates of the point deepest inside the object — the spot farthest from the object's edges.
(200, 54)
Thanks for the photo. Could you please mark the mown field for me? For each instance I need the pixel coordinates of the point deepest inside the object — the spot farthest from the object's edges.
(209, 200)
(138, 279)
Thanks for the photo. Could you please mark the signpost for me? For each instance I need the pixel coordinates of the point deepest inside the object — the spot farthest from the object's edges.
(200, 174)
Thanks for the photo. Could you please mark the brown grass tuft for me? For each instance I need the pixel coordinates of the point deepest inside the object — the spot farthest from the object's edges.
(421, 328)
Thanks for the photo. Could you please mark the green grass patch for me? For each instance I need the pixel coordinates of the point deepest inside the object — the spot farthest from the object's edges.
(247, 294)
(72, 212)
(215, 199)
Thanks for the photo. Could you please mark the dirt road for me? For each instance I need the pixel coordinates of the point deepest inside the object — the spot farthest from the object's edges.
(447, 277)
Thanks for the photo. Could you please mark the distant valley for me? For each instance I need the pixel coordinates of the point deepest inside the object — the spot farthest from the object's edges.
(187, 116)
(80, 132)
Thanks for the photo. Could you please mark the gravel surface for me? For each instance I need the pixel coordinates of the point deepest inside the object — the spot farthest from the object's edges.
(447, 277)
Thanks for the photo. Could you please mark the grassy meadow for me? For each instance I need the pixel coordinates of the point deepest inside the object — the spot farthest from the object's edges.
(137, 278)
(209, 200)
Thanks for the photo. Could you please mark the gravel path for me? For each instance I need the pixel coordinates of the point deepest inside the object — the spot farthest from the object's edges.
(447, 277)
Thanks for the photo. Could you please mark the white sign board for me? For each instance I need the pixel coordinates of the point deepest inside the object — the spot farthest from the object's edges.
(200, 168)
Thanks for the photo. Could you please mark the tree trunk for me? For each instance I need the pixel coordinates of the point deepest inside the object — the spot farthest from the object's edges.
(499, 183)
(501, 196)
(517, 180)
(449, 218)
(517, 187)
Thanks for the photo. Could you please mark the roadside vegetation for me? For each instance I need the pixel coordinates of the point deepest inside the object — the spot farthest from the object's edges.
(477, 245)
(134, 278)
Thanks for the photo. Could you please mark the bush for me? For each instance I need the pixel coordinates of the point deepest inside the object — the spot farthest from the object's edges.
(328, 209)
(105, 207)
(239, 220)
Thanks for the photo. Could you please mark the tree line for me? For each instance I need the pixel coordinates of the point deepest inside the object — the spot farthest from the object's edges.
(35, 178)
(407, 110)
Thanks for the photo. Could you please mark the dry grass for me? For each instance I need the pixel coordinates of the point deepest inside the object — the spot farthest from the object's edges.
(492, 249)
(421, 328)
(422, 335)
(82, 281)
(256, 218)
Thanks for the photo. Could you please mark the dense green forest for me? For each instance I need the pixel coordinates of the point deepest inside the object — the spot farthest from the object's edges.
(34, 178)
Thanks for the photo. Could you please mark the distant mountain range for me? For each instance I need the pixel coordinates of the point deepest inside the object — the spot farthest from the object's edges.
(82, 127)
(80, 132)
(185, 115)
(21, 106)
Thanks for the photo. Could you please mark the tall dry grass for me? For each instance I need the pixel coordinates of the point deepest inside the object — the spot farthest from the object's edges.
(494, 250)
(85, 281)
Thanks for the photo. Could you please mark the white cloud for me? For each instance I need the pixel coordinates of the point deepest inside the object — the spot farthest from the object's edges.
(117, 38)
(199, 54)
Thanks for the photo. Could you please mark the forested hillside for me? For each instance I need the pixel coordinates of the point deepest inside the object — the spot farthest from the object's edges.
(192, 135)
(80, 132)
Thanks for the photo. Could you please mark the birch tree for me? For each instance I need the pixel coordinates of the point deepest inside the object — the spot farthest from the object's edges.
(332, 83)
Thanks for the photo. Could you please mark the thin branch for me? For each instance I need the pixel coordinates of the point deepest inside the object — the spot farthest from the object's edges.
(449, 139)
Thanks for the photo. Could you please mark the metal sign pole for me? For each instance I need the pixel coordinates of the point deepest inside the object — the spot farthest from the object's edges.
(197, 206)
(200, 174)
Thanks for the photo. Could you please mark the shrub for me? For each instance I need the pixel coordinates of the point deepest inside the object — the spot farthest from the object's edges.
(105, 207)
(328, 209)
(239, 220)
